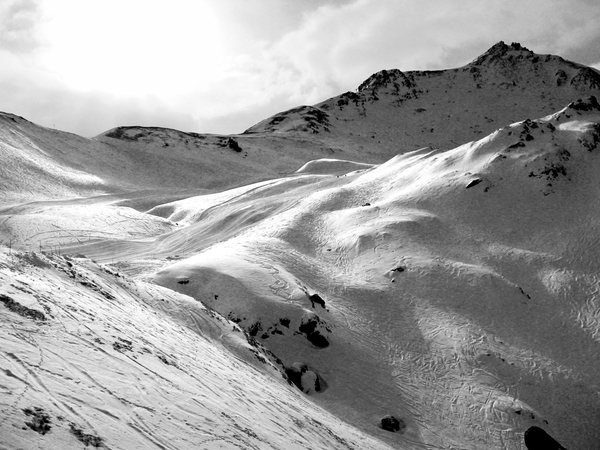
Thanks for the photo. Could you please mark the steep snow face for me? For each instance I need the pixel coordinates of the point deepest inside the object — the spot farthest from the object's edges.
(90, 358)
(457, 289)
(394, 111)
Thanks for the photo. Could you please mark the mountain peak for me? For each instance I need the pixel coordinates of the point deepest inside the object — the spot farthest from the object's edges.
(502, 51)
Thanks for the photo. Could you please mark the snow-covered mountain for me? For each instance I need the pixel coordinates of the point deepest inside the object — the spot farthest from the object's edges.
(394, 111)
(450, 291)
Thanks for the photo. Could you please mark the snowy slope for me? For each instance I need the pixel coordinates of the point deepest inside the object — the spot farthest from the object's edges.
(391, 112)
(460, 287)
(455, 288)
(91, 358)
(142, 165)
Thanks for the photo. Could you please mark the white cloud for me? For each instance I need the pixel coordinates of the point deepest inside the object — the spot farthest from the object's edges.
(212, 66)
(18, 20)
(336, 47)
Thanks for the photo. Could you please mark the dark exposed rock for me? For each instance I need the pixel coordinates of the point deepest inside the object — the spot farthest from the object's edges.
(254, 329)
(391, 423)
(500, 52)
(585, 104)
(591, 139)
(85, 438)
(21, 310)
(383, 78)
(537, 439)
(308, 327)
(517, 145)
(561, 77)
(348, 97)
(316, 298)
(586, 78)
(39, 420)
(123, 345)
(305, 378)
(233, 145)
(313, 120)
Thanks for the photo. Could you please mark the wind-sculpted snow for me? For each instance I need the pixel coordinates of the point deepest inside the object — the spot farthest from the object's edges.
(465, 309)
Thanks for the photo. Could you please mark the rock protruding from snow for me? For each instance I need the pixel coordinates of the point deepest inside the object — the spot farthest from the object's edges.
(537, 439)
(312, 328)
(393, 424)
(585, 104)
(305, 378)
(316, 299)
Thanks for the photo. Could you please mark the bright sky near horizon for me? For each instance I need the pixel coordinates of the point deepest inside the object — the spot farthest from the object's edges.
(220, 66)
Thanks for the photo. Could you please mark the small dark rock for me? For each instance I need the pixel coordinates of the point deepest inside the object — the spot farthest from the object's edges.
(518, 144)
(391, 423)
(233, 145)
(316, 298)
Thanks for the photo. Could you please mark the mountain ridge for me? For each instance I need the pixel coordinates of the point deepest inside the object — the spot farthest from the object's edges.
(394, 111)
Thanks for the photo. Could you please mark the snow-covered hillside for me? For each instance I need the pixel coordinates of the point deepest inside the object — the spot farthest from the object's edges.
(91, 358)
(459, 287)
(455, 289)
(394, 111)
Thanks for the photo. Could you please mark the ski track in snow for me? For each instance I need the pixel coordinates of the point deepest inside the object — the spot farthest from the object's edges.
(141, 367)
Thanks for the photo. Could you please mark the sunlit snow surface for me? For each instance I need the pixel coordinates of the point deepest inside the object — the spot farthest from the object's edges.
(125, 364)
(460, 293)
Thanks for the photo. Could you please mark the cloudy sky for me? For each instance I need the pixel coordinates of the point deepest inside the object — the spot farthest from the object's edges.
(220, 66)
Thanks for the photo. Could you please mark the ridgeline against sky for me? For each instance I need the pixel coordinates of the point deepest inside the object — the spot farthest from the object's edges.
(221, 66)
